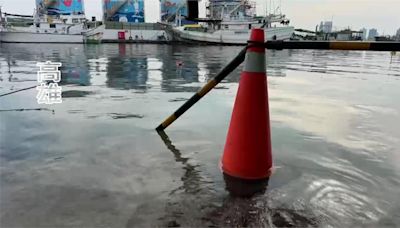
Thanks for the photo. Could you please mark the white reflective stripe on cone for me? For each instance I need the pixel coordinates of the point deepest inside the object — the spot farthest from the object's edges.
(255, 62)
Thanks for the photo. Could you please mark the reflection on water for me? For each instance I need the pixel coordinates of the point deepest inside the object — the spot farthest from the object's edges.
(96, 161)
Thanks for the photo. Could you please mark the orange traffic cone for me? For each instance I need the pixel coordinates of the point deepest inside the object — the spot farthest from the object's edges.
(247, 155)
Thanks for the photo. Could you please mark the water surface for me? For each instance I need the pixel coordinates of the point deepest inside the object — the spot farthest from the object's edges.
(96, 161)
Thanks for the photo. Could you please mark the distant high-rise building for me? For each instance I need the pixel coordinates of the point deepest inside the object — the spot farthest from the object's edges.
(326, 26)
(364, 34)
(372, 34)
(398, 34)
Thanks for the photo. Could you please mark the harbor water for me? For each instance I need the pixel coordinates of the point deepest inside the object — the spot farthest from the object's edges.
(96, 161)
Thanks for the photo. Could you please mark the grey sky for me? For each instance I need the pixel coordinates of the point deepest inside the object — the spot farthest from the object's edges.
(381, 14)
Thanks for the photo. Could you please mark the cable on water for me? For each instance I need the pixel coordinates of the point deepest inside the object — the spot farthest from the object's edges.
(5, 94)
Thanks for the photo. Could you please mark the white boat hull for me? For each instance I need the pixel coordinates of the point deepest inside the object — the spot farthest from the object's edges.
(238, 37)
(101, 34)
(28, 37)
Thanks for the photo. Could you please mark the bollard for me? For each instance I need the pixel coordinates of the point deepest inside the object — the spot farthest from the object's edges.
(247, 158)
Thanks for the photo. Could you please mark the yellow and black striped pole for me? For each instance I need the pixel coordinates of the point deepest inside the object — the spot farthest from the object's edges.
(203, 91)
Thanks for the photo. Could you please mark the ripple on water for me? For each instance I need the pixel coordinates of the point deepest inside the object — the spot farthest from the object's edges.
(338, 199)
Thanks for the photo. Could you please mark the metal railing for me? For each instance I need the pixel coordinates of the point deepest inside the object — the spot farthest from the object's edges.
(133, 26)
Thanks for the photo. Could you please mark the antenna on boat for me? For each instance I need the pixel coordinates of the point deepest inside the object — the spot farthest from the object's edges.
(270, 6)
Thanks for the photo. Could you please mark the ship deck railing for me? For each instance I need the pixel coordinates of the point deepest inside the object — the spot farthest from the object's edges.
(133, 26)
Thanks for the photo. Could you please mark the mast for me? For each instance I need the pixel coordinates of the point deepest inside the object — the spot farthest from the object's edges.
(3, 19)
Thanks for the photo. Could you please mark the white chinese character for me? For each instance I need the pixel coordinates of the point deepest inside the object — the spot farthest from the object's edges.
(49, 72)
(49, 94)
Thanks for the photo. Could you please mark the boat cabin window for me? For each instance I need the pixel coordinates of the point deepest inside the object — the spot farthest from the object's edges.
(75, 20)
(196, 29)
(52, 25)
(227, 26)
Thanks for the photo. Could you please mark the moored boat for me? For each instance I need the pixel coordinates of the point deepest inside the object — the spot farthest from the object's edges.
(47, 25)
(230, 22)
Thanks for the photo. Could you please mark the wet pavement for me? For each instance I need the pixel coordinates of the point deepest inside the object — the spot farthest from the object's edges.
(96, 161)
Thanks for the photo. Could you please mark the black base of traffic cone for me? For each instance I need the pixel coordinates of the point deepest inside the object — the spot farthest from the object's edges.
(244, 187)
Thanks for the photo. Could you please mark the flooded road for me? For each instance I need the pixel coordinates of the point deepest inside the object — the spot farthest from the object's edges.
(96, 161)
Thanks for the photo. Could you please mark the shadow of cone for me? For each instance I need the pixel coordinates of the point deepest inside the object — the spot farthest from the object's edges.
(247, 158)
